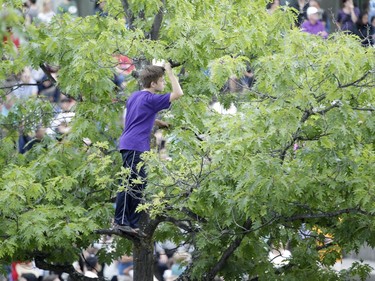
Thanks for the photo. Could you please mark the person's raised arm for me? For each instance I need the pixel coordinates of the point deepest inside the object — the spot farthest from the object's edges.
(176, 88)
(353, 14)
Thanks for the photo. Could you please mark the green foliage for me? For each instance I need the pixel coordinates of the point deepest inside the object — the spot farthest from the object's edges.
(230, 176)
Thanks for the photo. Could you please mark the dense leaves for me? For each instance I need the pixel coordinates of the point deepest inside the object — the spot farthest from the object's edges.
(294, 163)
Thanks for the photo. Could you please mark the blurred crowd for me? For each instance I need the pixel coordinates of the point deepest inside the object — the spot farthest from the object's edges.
(350, 18)
(170, 260)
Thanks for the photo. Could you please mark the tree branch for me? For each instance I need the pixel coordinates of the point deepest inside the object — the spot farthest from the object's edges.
(118, 233)
(18, 85)
(227, 253)
(48, 73)
(337, 104)
(341, 86)
(183, 224)
(54, 82)
(128, 13)
(364, 109)
(155, 30)
(326, 214)
(61, 268)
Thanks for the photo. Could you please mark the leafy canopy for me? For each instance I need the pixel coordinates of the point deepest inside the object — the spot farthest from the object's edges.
(235, 181)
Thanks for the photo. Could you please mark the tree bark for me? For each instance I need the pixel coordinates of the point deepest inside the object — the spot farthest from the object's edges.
(143, 259)
(155, 30)
(143, 250)
(227, 253)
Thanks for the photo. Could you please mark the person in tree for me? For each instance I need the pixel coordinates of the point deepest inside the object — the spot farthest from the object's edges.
(141, 110)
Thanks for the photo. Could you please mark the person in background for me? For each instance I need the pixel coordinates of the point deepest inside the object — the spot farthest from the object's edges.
(91, 266)
(125, 268)
(26, 142)
(301, 7)
(51, 277)
(6, 104)
(348, 16)
(99, 8)
(68, 6)
(11, 38)
(60, 123)
(272, 6)
(27, 86)
(371, 10)
(372, 31)
(26, 271)
(31, 12)
(47, 14)
(363, 29)
(323, 15)
(313, 25)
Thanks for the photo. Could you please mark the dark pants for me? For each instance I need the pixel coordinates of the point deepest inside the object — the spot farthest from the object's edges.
(128, 200)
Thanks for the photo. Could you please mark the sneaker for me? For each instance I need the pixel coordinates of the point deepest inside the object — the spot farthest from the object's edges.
(127, 229)
(140, 232)
(124, 228)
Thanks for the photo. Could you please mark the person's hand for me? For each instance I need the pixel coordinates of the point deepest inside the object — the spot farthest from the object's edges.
(87, 141)
(167, 66)
(350, 4)
(323, 34)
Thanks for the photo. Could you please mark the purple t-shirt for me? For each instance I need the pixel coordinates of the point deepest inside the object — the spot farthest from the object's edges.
(312, 28)
(346, 20)
(141, 110)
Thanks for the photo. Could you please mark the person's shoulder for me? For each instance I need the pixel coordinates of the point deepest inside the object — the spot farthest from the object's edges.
(305, 24)
(135, 94)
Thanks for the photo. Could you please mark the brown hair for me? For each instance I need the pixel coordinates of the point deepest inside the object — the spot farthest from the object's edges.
(151, 73)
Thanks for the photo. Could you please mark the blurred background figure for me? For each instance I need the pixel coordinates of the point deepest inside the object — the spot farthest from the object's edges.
(27, 141)
(363, 29)
(180, 261)
(68, 6)
(348, 16)
(272, 6)
(323, 15)
(371, 10)
(92, 266)
(301, 7)
(46, 15)
(372, 31)
(125, 268)
(27, 86)
(60, 124)
(313, 25)
(99, 9)
(31, 12)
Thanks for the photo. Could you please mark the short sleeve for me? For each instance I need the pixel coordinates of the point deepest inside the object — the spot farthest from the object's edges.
(159, 102)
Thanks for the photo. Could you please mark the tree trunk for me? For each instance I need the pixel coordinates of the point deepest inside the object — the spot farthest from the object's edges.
(143, 250)
(143, 259)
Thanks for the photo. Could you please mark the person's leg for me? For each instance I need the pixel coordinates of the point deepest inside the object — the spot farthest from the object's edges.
(128, 200)
(123, 199)
(136, 190)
